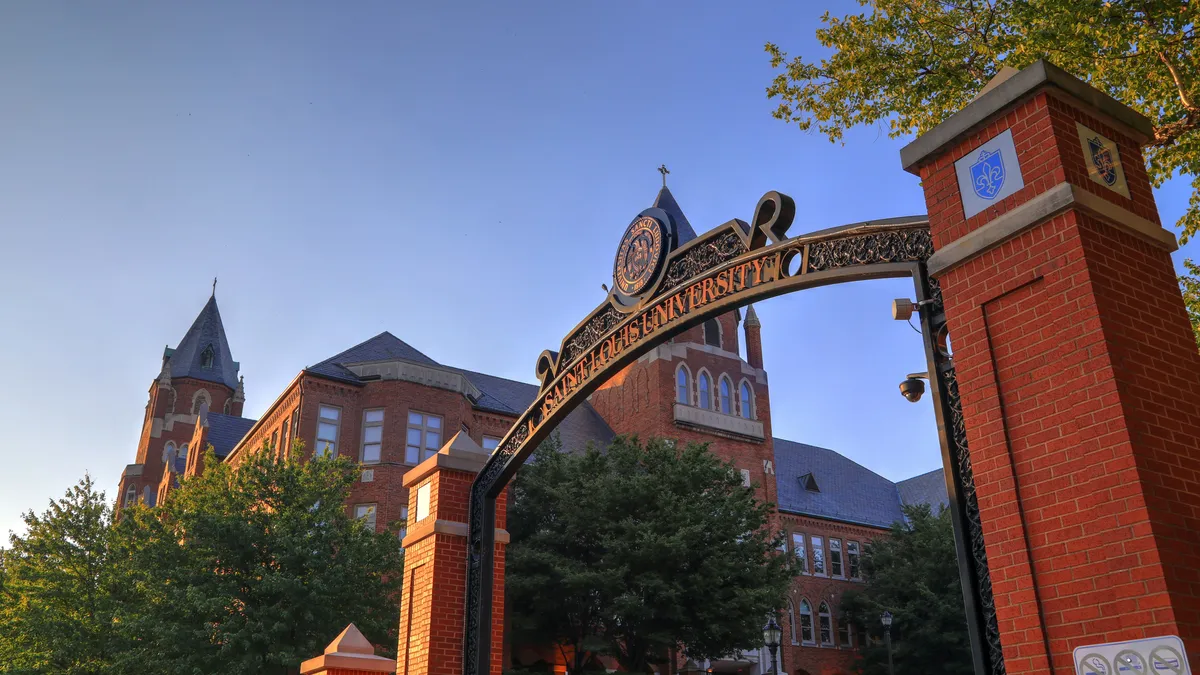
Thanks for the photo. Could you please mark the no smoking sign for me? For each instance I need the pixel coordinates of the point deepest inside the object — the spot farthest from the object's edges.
(1151, 656)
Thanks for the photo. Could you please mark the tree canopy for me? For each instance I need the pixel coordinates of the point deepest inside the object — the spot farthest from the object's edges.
(910, 64)
(913, 573)
(637, 549)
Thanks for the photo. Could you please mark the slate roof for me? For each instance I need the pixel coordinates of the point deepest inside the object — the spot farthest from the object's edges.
(207, 330)
(497, 394)
(225, 431)
(666, 202)
(928, 488)
(849, 491)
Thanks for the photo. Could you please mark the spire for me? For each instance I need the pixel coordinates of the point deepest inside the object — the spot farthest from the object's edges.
(666, 202)
(752, 317)
(753, 330)
(203, 353)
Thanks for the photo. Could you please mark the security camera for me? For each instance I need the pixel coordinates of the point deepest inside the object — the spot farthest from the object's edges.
(912, 388)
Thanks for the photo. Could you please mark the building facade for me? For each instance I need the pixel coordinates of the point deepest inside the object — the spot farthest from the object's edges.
(389, 406)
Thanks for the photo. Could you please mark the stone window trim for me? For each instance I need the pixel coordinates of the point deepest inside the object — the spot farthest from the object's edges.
(746, 399)
(825, 618)
(704, 390)
(792, 621)
(807, 634)
(329, 423)
(201, 396)
(725, 403)
(683, 390)
(370, 449)
(168, 453)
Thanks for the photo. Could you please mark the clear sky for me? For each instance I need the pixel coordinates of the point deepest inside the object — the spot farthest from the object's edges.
(456, 174)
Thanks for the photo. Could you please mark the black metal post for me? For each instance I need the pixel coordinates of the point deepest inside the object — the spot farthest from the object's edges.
(887, 638)
(774, 661)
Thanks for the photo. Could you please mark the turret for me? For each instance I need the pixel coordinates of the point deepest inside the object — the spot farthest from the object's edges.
(753, 338)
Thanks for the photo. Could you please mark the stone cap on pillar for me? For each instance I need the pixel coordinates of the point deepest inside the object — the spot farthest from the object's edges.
(1007, 88)
(350, 651)
(459, 453)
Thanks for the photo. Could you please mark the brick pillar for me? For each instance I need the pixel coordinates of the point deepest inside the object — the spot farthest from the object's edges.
(435, 563)
(349, 654)
(1078, 372)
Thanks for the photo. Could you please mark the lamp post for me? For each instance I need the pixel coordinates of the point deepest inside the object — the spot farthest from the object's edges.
(886, 618)
(772, 633)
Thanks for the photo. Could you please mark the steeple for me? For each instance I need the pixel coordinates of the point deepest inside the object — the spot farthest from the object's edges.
(753, 329)
(203, 353)
(666, 202)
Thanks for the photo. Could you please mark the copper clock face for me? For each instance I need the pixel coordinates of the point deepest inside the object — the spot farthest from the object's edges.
(639, 256)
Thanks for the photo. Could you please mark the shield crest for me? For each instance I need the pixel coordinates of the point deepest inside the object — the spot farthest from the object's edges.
(987, 174)
(1102, 159)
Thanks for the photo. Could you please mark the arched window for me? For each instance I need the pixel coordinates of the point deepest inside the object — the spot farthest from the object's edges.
(131, 495)
(206, 357)
(792, 621)
(201, 396)
(806, 623)
(683, 385)
(183, 451)
(826, 625)
(747, 402)
(169, 452)
(712, 333)
(726, 401)
(705, 390)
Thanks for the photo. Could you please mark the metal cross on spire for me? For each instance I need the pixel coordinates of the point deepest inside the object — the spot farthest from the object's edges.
(664, 171)
(214, 293)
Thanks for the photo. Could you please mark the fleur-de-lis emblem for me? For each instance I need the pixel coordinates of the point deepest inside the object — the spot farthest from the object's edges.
(987, 174)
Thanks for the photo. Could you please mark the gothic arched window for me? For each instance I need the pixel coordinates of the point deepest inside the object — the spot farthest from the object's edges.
(826, 624)
(747, 406)
(206, 357)
(199, 397)
(683, 385)
(726, 401)
(183, 451)
(806, 623)
(712, 333)
(792, 621)
(169, 453)
(705, 389)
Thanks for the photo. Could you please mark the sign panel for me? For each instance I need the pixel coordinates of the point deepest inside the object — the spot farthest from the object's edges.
(1103, 160)
(1151, 656)
(988, 174)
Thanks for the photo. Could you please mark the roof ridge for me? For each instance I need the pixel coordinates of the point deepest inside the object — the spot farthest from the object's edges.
(818, 447)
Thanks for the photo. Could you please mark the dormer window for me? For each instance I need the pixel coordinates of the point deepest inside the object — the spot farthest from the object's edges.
(712, 333)
(808, 482)
(206, 358)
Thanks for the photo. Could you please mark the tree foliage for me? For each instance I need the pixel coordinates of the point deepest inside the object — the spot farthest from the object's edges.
(910, 64)
(55, 611)
(913, 573)
(1191, 296)
(638, 549)
(253, 569)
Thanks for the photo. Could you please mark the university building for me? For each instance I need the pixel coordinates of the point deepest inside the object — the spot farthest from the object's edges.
(389, 406)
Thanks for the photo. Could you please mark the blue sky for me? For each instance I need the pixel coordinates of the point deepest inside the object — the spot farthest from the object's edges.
(458, 175)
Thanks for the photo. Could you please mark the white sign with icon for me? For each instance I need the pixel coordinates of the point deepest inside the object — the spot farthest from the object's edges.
(988, 174)
(1151, 656)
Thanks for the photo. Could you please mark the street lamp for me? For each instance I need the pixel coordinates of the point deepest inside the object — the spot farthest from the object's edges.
(886, 619)
(772, 633)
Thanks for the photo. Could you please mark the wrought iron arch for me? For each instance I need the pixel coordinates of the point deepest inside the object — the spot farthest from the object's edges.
(726, 268)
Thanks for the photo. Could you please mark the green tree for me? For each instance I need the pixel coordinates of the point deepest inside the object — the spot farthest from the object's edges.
(1191, 296)
(55, 608)
(913, 573)
(253, 569)
(910, 64)
(637, 549)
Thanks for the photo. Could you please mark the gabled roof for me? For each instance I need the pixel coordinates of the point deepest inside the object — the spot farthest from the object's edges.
(928, 488)
(382, 347)
(848, 492)
(666, 202)
(226, 431)
(206, 332)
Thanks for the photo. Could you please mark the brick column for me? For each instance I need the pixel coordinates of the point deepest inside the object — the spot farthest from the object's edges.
(435, 563)
(1078, 372)
(349, 654)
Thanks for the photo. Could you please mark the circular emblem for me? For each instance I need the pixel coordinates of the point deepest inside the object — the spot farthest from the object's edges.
(639, 256)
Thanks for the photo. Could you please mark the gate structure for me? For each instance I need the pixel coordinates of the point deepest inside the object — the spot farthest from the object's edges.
(1077, 507)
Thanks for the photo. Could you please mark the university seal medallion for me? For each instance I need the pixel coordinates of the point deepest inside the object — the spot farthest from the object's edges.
(640, 255)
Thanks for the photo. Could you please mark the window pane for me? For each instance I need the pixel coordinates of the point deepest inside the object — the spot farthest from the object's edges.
(433, 422)
(745, 400)
(410, 455)
(415, 418)
(373, 416)
(798, 548)
(373, 434)
(371, 452)
(430, 453)
(414, 437)
(330, 413)
(490, 443)
(327, 432)
(818, 556)
(433, 440)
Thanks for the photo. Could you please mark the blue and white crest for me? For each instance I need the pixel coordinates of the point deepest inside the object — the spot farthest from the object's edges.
(1102, 159)
(987, 174)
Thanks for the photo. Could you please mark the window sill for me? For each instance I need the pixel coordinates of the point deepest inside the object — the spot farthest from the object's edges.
(711, 420)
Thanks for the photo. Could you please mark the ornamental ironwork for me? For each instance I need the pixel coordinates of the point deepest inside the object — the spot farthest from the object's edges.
(659, 293)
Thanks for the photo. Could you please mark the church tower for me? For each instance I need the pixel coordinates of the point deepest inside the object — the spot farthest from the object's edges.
(198, 375)
(699, 387)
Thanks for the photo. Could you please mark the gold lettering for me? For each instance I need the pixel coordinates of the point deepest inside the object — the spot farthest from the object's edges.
(722, 282)
(677, 306)
(709, 293)
(758, 265)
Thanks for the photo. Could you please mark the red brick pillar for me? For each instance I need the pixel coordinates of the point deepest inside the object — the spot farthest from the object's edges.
(349, 654)
(435, 563)
(1078, 372)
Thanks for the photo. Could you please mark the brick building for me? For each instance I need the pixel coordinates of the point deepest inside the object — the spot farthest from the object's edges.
(389, 406)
